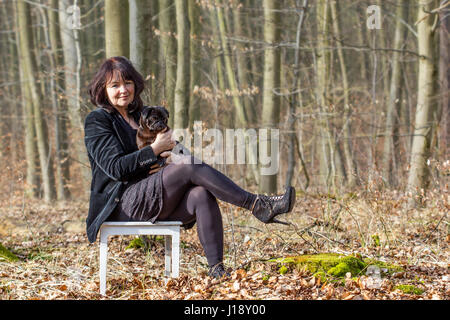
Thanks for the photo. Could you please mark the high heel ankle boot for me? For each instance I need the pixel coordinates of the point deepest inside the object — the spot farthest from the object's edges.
(218, 271)
(266, 208)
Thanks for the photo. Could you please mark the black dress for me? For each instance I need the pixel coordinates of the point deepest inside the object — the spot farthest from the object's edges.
(142, 200)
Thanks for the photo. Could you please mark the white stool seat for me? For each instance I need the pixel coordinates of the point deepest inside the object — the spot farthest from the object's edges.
(170, 230)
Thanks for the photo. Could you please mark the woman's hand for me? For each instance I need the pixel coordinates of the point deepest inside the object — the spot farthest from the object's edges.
(163, 142)
(156, 167)
(167, 155)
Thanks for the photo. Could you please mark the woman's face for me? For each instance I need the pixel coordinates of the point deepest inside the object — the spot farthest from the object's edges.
(120, 92)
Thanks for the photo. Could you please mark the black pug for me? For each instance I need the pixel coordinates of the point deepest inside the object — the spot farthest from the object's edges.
(153, 120)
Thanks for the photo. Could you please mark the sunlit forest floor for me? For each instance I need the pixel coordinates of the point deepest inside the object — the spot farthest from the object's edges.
(56, 260)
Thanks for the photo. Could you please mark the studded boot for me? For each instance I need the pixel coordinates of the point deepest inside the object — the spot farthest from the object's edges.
(266, 208)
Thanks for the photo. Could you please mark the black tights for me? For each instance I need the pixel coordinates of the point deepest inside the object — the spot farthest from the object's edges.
(190, 192)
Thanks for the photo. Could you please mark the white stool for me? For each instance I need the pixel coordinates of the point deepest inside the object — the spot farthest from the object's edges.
(166, 228)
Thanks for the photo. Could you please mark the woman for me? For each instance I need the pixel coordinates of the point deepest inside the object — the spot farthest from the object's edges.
(128, 185)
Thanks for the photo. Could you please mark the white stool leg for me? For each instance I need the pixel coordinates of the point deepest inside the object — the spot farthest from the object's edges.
(176, 252)
(168, 255)
(103, 261)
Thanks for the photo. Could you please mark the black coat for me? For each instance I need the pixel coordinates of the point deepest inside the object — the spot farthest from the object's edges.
(113, 163)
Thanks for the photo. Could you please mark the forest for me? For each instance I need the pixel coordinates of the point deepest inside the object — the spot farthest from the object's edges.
(356, 94)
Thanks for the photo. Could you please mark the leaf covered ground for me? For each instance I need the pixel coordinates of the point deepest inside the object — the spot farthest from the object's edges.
(56, 260)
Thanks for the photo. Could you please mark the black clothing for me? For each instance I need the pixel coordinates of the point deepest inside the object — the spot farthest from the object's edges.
(122, 189)
(141, 200)
(130, 132)
(189, 194)
(114, 162)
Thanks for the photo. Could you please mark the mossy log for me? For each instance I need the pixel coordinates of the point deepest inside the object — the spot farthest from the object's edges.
(5, 254)
(333, 264)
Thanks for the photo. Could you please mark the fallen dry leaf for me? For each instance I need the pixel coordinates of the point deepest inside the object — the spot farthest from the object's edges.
(348, 296)
(236, 286)
(50, 257)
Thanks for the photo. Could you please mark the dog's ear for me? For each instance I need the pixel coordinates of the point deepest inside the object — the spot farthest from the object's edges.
(164, 111)
(146, 111)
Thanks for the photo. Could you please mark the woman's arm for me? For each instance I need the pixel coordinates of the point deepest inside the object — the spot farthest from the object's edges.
(107, 152)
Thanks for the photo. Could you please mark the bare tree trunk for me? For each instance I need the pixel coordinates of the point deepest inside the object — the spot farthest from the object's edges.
(91, 41)
(242, 67)
(444, 80)
(327, 144)
(226, 118)
(32, 179)
(271, 100)
(61, 156)
(426, 98)
(240, 111)
(29, 68)
(117, 28)
(361, 37)
(293, 97)
(195, 63)
(384, 59)
(169, 48)
(256, 76)
(155, 57)
(72, 63)
(141, 37)
(181, 107)
(13, 105)
(27, 110)
(394, 103)
(350, 163)
(372, 163)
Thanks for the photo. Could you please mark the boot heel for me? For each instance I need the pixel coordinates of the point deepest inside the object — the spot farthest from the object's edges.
(266, 208)
(273, 220)
(291, 205)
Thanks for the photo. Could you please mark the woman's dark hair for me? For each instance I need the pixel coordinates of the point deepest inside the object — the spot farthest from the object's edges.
(97, 87)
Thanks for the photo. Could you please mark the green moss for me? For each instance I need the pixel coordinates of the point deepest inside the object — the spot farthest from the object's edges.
(334, 265)
(5, 254)
(136, 243)
(283, 269)
(313, 263)
(322, 275)
(347, 264)
(376, 240)
(39, 255)
(409, 289)
(331, 263)
(388, 268)
(139, 242)
(350, 195)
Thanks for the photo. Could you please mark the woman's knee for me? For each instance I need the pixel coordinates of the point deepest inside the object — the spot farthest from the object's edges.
(203, 202)
(201, 195)
(189, 167)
